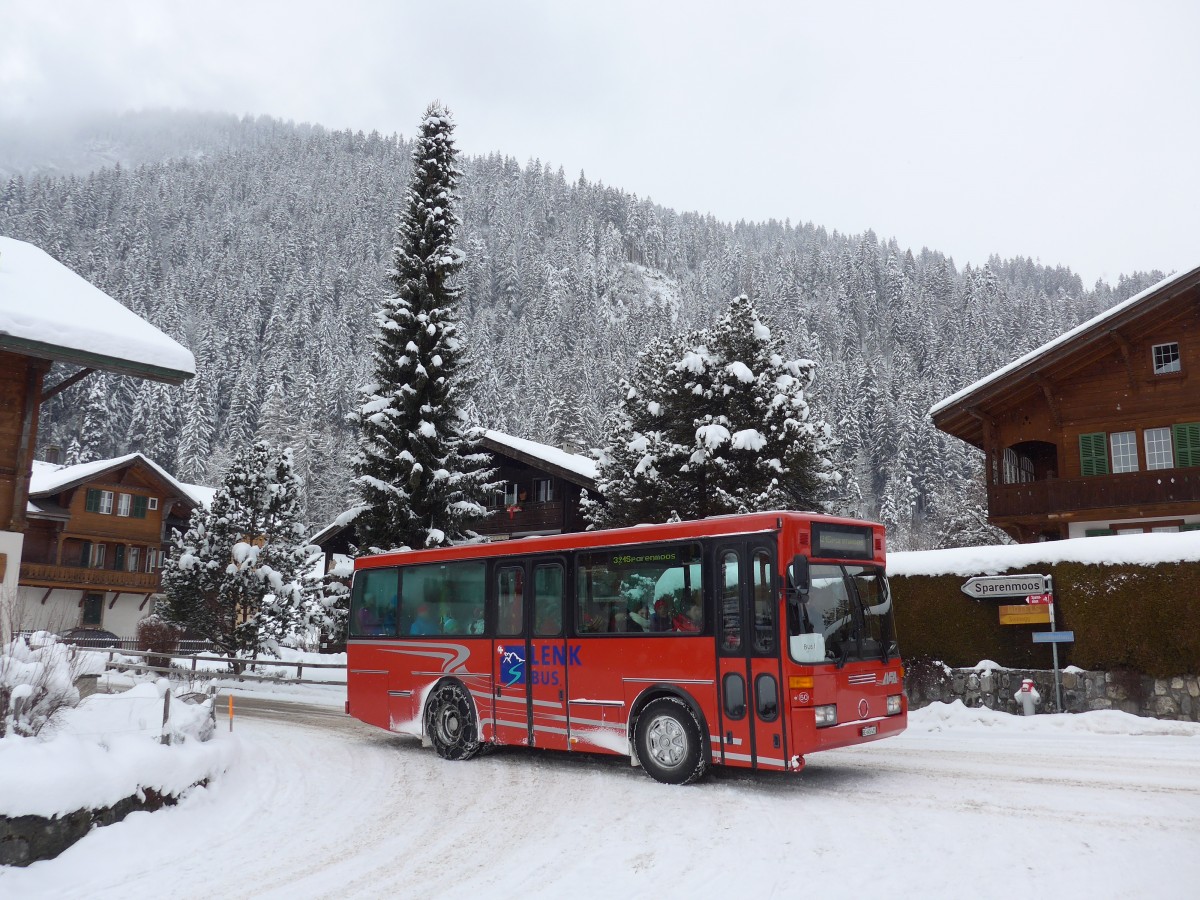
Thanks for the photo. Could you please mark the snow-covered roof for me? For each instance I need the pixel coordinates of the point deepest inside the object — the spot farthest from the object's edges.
(47, 479)
(1092, 324)
(337, 526)
(49, 312)
(1128, 549)
(568, 464)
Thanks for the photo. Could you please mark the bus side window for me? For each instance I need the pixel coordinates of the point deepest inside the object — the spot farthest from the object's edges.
(729, 602)
(510, 596)
(547, 600)
(764, 603)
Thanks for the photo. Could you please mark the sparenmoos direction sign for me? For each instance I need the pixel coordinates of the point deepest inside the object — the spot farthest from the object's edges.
(982, 587)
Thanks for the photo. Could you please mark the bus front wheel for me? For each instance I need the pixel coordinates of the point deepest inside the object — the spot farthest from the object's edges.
(450, 722)
(668, 742)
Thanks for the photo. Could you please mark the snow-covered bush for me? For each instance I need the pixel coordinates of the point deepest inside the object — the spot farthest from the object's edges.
(37, 680)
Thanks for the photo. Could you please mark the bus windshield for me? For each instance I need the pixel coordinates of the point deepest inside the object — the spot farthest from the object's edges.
(849, 608)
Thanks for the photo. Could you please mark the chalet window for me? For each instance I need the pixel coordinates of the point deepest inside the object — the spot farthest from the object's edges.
(131, 562)
(1093, 454)
(124, 504)
(98, 556)
(1159, 453)
(510, 493)
(1187, 444)
(1164, 529)
(1166, 358)
(1124, 451)
(139, 507)
(543, 490)
(85, 553)
(93, 609)
(152, 559)
(119, 558)
(152, 503)
(99, 501)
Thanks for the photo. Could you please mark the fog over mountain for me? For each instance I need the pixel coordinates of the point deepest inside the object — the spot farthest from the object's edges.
(262, 245)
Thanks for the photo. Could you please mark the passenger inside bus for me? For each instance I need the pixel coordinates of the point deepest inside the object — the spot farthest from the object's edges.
(661, 618)
(476, 626)
(424, 623)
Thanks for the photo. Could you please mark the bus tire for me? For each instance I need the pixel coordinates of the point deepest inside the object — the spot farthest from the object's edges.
(450, 722)
(669, 746)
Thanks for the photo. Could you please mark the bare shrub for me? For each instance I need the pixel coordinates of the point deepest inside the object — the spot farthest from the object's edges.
(157, 636)
(37, 681)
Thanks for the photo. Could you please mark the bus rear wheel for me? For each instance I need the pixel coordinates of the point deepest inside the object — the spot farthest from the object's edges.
(450, 722)
(668, 742)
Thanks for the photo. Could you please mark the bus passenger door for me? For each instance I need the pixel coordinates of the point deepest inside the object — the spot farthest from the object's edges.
(763, 597)
(511, 656)
(548, 656)
(748, 654)
(735, 742)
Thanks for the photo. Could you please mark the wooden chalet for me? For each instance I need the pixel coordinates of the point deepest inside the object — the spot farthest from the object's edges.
(542, 486)
(1097, 431)
(540, 494)
(48, 315)
(96, 537)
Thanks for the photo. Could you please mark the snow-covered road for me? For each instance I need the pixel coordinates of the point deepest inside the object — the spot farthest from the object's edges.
(317, 805)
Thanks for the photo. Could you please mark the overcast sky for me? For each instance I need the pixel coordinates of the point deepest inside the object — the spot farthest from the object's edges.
(1067, 132)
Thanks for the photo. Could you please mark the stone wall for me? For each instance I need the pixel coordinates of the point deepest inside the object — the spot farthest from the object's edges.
(1162, 698)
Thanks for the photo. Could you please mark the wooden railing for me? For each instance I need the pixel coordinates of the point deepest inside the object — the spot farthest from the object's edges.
(80, 576)
(530, 517)
(1163, 486)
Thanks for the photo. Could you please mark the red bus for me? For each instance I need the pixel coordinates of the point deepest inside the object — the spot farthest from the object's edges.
(743, 641)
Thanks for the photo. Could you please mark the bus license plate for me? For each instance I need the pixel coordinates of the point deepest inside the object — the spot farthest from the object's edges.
(869, 730)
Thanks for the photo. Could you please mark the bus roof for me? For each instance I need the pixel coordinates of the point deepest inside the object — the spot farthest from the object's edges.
(715, 526)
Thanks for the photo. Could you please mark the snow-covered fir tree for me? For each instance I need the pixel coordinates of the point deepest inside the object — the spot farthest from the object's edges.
(235, 576)
(715, 422)
(418, 480)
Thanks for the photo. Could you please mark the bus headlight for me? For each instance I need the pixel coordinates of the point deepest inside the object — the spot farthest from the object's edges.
(894, 705)
(826, 715)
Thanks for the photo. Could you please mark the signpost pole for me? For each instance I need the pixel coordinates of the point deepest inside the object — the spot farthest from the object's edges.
(1054, 646)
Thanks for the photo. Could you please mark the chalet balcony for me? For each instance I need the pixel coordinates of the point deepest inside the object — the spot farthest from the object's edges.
(1099, 492)
(547, 516)
(83, 578)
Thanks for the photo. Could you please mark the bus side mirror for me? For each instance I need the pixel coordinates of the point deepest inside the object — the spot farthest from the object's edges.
(798, 578)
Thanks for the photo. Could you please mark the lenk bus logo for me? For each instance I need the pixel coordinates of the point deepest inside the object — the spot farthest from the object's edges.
(512, 666)
(543, 668)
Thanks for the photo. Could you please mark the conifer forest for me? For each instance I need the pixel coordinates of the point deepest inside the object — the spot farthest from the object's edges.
(263, 246)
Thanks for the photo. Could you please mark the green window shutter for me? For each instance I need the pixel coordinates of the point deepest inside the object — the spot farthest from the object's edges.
(1093, 454)
(1194, 526)
(139, 507)
(1097, 532)
(1187, 444)
(93, 500)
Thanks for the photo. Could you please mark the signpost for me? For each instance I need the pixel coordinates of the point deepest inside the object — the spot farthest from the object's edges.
(1038, 608)
(1054, 637)
(1024, 615)
(986, 586)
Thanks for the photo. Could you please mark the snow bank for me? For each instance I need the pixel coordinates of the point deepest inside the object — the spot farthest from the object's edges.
(107, 749)
(946, 716)
(1130, 549)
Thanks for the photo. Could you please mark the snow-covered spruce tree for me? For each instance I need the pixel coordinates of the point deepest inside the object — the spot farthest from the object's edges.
(235, 576)
(416, 476)
(715, 422)
(641, 454)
